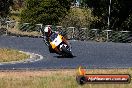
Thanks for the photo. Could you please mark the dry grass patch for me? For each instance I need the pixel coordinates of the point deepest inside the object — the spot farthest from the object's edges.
(55, 79)
(7, 55)
(16, 31)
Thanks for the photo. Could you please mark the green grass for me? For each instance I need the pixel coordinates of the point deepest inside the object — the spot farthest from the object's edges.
(55, 79)
(7, 55)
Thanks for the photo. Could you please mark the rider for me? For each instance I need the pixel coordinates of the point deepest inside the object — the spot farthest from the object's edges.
(48, 32)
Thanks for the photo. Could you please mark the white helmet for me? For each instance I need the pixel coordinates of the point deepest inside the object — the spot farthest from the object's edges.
(47, 30)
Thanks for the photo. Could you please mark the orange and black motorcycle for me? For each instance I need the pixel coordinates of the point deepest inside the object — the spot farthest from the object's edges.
(59, 45)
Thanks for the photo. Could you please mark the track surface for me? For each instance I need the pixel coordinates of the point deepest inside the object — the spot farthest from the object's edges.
(87, 54)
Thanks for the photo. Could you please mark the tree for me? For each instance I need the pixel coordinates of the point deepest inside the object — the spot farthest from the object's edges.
(81, 19)
(4, 7)
(18, 4)
(120, 11)
(45, 11)
(78, 17)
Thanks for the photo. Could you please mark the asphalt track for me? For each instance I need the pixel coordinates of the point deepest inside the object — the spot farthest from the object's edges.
(87, 54)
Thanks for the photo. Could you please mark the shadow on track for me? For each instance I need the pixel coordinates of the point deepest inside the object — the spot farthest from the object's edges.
(65, 57)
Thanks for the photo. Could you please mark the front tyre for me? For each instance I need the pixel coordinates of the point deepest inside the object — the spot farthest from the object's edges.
(51, 50)
(66, 52)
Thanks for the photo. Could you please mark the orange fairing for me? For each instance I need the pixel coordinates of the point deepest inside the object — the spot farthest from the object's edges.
(53, 45)
(60, 36)
(81, 71)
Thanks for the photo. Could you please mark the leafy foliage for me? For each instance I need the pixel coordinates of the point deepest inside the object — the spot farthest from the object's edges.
(120, 13)
(18, 4)
(78, 17)
(4, 7)
(44, 11)
(81, 19)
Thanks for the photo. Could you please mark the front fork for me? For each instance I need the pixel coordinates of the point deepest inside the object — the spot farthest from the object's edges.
(66, 46)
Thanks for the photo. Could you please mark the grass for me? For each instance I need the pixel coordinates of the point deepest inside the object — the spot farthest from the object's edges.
(7, 55)
(55, 79)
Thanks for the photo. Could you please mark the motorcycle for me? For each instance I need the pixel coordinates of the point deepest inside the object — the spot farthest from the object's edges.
(59, 45)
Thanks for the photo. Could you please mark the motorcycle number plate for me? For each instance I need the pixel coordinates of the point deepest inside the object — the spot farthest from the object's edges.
(57, 41)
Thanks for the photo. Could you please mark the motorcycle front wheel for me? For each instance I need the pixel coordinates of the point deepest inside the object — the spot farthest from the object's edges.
(66, 52)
